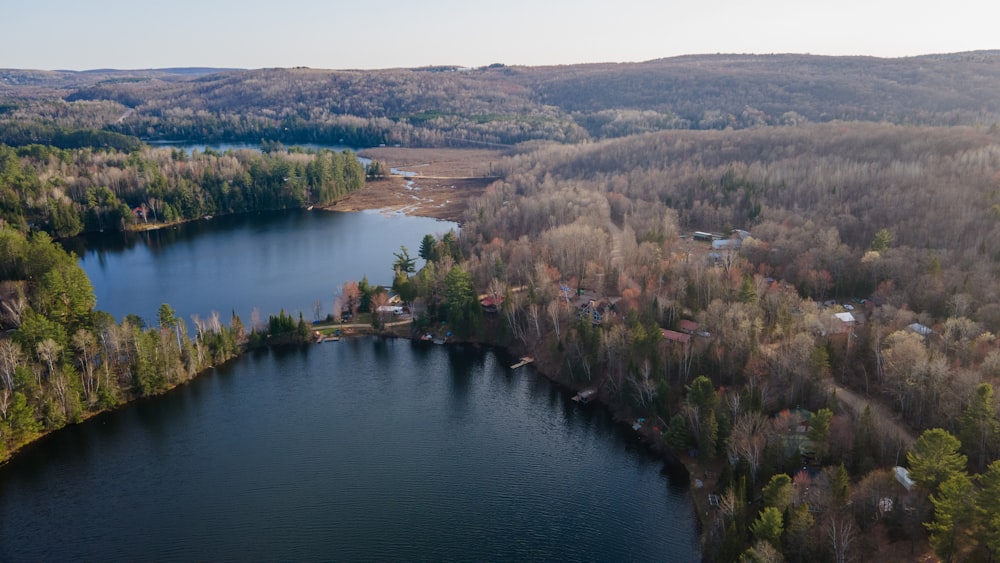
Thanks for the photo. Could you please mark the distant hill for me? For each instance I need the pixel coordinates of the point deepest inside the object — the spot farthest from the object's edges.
(28, 82)
(511, 104)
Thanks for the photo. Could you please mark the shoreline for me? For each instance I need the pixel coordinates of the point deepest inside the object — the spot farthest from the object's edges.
(651, 443)
(651, 440)
(88, 415)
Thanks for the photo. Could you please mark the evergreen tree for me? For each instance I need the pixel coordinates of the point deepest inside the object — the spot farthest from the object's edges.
(840, 485)
(748, 293)
(819, 431)
(978, 426)
(428, 248)
(882, 240)
(988, 508)
(768, 526)
(954, 513)
(464, 312)
(403, 262)
(935, 458)
(778, 491)
(678, 435)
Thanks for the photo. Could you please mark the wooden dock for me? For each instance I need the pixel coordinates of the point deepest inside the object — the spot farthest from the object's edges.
(524, 361)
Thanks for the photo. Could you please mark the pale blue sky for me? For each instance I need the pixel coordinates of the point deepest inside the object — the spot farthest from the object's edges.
(77, 34)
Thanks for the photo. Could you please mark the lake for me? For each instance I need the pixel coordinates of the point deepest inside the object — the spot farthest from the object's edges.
(190, 146)
(363, 449)
(269, 261)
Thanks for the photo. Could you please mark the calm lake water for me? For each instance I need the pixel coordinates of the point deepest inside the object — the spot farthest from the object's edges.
(363, 449)
(271, 261)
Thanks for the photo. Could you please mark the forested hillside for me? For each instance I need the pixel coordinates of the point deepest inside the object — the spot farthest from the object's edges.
(894, 226)
(443, 106)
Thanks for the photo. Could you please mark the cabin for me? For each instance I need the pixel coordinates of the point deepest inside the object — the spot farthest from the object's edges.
(674, 336)
(491, 303)
(842, 322)
(596, 310)
(726, 244)
(703, 236)
(589, 304)
(687, 326)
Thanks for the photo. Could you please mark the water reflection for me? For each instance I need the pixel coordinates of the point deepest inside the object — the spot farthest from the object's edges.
(271, 262)
(303, 452)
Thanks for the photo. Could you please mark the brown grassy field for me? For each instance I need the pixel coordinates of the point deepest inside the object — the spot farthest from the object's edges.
(445, 181)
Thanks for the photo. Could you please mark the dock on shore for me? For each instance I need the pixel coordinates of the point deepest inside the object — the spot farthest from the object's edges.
(524, 361)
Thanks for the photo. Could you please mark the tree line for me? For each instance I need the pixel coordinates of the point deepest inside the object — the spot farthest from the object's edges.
(66, 192)
(62, 360)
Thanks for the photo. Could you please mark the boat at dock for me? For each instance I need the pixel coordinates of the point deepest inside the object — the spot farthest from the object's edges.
(585, 396)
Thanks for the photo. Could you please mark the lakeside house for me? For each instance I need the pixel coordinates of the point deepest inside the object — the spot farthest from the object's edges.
(596, 311)
(491, 303)
(588, 304)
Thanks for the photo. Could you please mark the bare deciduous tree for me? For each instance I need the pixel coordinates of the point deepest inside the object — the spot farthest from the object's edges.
(749, 439)
(841, 532)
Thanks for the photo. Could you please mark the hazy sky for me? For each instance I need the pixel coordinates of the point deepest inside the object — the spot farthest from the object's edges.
(76, 34)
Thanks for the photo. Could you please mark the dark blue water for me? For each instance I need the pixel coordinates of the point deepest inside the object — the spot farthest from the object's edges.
(363, 449)
(269, 261)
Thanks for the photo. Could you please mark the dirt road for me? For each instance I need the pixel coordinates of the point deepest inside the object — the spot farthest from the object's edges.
(884, 417)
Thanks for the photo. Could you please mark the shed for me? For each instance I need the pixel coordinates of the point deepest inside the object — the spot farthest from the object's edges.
(903, 476)
(846, 318)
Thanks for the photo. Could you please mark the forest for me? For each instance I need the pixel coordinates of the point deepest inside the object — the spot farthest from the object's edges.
(795, 414)
(62, 360)
(66, 192)
(786, 265)
(504, 105)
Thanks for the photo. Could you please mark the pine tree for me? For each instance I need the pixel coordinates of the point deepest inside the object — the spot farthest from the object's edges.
(954, 513)
(935, 458)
